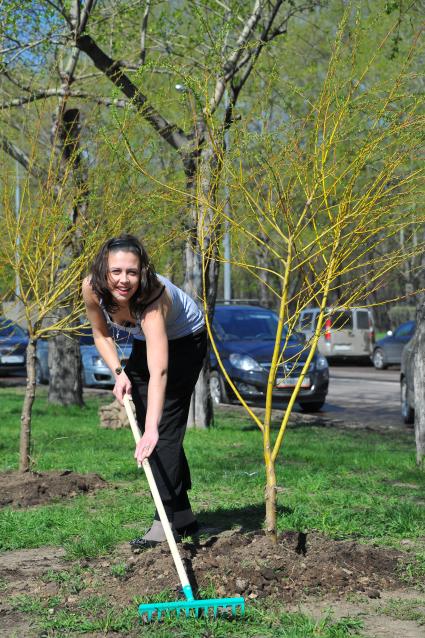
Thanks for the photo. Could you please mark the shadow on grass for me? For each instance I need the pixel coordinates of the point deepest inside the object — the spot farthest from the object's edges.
(291, 426)
(249, 518)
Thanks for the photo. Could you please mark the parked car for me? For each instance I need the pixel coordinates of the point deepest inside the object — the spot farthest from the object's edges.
(348, 333)
(407, 395)
(13, 347)
(387, 351)
(245, 337)
(95, 371)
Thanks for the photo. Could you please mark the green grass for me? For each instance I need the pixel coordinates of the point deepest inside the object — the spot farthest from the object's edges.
(346, 484)
(96, 614)
(343, 483)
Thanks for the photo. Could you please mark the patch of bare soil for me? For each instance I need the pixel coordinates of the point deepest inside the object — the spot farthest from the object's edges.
(251, 566)
(19, 489)
(298, 570)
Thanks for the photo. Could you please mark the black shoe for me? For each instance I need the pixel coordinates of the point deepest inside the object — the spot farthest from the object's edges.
(141, 544)
(189, 530)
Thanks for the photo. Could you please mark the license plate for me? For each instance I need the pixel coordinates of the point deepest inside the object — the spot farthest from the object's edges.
(12, 358)
(291, 382)
(342, 347)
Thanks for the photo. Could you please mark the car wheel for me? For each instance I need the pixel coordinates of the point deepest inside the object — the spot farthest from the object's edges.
(217, 388)
(407, 413)
(379, 359)
(312, 406)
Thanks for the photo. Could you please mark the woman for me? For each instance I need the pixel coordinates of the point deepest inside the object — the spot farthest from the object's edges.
(123, 292)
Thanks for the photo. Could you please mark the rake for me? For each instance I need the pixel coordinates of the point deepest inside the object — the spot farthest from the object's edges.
(190, 605)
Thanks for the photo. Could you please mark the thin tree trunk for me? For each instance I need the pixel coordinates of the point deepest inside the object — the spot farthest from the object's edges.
(419, 382)
(271, 500)
(25, 442)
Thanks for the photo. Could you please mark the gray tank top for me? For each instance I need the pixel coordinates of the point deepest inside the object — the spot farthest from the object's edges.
(184, 317)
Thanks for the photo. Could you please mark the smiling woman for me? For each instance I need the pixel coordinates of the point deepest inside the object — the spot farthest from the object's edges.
(124, 293)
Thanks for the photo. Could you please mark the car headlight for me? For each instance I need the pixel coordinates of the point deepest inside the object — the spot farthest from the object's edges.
(321, 362)
(97, 362)
(245, 362)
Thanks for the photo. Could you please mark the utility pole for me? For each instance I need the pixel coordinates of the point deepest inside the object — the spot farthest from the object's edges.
(17, 207)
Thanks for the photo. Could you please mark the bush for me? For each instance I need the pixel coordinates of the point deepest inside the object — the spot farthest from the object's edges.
(400, 314)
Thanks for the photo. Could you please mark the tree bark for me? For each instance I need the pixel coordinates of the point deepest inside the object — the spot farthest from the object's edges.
(65, 370)
(65, 379)
(25, 442)
(271, 500)
(419, 382)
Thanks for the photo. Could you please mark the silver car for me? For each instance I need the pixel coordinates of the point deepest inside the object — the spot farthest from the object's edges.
(348, 333)
(95, 371)
(388, 351)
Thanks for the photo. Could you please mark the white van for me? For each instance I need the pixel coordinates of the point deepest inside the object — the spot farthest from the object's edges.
(346, 332)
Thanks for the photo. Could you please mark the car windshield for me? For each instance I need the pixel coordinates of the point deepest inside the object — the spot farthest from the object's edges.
(10, 329)
(245, 324)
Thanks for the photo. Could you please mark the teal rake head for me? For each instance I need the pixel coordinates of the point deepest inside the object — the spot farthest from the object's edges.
(192, 607)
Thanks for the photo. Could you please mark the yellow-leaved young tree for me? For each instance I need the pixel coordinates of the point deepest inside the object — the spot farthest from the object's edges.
(325, 198)
(36, 251)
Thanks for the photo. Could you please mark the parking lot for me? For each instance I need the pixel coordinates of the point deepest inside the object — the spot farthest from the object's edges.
(363, 394)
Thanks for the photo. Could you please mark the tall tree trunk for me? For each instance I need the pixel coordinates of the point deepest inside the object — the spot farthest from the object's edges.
(65, 369)
(65, 385)
(203, 229)
(419, 381)
(25, 442)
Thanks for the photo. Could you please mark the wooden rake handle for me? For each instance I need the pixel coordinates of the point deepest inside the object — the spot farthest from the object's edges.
(157, 500)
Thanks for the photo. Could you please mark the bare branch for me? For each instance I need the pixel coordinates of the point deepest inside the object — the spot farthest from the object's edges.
(231, 63)
(21, 157)
(143, 32)
(23, 87)
(33, 97)
(113, 70)
(64, 92)
(88, 8)
(60, 10)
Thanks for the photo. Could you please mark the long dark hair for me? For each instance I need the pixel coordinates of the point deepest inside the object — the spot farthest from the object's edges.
(100, 271)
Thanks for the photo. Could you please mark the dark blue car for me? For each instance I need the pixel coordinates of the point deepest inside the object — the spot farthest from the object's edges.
(13, 347)
(245, 337)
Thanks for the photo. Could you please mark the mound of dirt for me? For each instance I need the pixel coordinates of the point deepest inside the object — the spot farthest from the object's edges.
(250, 565)
(19, 489)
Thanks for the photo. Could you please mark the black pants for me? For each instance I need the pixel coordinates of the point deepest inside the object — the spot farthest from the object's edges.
(168, 462)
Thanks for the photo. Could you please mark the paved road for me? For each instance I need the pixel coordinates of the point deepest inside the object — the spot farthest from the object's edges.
(364, 395)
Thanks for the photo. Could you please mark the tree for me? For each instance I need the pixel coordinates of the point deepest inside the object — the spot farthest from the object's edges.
(35, 247)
